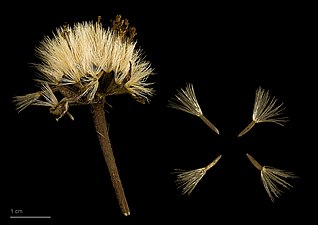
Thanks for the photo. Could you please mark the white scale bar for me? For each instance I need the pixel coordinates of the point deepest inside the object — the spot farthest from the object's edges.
(30, 217)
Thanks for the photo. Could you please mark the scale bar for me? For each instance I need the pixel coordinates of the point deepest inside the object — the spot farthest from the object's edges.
(30, 217)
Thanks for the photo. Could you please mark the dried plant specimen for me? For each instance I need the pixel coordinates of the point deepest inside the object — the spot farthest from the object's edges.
(272, 177)
(85, 64)
(265, 109)
(185, 100)
(187, 180)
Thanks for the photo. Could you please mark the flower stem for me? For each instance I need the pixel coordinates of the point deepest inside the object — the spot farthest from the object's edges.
(207, 122)
(246, 129)
(102, 132)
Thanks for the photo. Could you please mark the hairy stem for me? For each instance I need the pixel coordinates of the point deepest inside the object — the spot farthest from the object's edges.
(102, 133)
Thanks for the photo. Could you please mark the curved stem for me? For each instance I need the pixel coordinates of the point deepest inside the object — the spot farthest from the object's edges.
(102, 132)
(207, 122)
(246, 129)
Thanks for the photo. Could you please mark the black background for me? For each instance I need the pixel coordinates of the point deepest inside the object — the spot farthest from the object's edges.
(57, 168)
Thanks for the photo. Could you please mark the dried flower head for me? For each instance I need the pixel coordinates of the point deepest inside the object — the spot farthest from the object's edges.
(188, 179)
(185, 100)
(265, 110)
(272, 177)
(85, 63)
